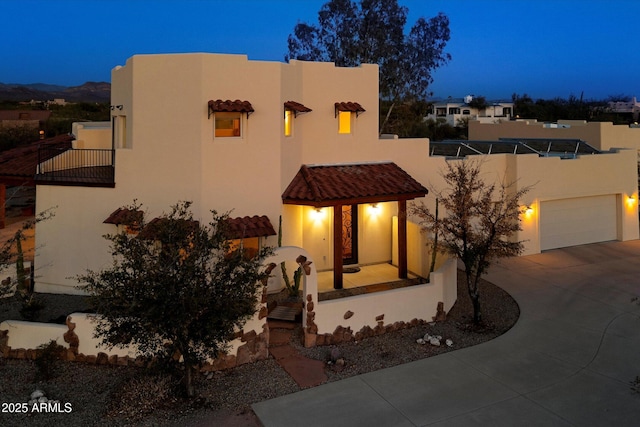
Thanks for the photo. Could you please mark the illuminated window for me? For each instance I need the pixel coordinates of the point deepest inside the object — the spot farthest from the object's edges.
(344, 122)
(288, 122)
(249, 247)
(228, 125)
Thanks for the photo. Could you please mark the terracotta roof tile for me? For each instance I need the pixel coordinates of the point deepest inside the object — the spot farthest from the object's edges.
(152, 229)
(21, 162)
(124, 216)
(353, 107)
(296, 107)
(325, 185)
(250, 226)
(236, 106)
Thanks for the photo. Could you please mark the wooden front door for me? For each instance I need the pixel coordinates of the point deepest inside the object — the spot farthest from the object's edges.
(350, 234)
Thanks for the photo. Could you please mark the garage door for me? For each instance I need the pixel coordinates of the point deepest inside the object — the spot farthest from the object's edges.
(578, 221)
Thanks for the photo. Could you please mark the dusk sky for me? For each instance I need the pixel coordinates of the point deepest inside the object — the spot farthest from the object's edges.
(545, 48)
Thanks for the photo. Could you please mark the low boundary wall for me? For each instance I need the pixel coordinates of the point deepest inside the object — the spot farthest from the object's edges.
(326, 322)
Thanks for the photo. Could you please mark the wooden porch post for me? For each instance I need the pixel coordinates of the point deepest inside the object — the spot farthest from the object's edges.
(402, 239)
(337, 247)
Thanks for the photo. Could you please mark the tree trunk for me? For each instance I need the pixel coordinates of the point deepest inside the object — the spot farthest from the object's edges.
(472, 286)
(188, 380)
(20, 263)
(386, 119)
(477, 314)
(434, 251)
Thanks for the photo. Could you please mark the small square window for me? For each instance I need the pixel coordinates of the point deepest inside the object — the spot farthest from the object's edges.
(228, 125)
(344, 122)
(249, 247)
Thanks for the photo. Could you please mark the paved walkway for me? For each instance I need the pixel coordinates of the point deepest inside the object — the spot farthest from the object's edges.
(304, 371)
(567, 362)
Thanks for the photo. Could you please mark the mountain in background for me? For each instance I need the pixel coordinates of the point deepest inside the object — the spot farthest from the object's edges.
(88, 92)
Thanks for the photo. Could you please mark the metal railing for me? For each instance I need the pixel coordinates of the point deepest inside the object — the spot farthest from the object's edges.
(76, 165)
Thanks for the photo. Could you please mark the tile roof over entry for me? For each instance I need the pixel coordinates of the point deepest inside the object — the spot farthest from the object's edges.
(250, 226)
(329, 185)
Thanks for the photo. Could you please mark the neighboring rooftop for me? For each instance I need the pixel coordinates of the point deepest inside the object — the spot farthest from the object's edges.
(20, 115)
(18, 165)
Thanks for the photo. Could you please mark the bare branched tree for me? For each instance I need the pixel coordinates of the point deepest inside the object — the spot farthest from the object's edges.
(479, 224)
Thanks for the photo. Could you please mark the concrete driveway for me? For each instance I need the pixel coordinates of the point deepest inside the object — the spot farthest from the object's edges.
(568, 361)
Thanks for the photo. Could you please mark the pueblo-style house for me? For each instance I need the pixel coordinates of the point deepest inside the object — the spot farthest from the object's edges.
(261, 140)
(299, 141)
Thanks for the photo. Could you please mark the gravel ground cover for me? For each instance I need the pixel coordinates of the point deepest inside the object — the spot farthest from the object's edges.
(127, 396)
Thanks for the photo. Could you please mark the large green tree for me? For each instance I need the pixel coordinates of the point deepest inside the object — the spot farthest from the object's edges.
(176, 288)
(351, 33)
(479, 222)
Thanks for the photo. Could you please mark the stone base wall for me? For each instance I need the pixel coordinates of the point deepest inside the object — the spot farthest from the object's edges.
(254, 348)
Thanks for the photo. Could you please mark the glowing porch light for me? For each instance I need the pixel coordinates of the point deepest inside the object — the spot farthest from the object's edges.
(631, 202)
(374, 209)
(317, 214)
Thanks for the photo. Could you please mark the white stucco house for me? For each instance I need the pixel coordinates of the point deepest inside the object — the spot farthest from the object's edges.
(297, 140)
(260, 140)
(455, 109)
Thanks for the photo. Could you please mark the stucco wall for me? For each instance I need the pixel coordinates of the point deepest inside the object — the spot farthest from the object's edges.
(552, 178)
(172, 154)
(601, 135)
(92, 135)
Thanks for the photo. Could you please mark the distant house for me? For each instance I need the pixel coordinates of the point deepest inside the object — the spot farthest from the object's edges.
(626, 107)
(454, 110)
(32, 118)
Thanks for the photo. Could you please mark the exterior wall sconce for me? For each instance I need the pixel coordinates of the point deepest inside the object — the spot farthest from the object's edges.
(631, 201)
(527, 210)
(374, 209)
(317, 214)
